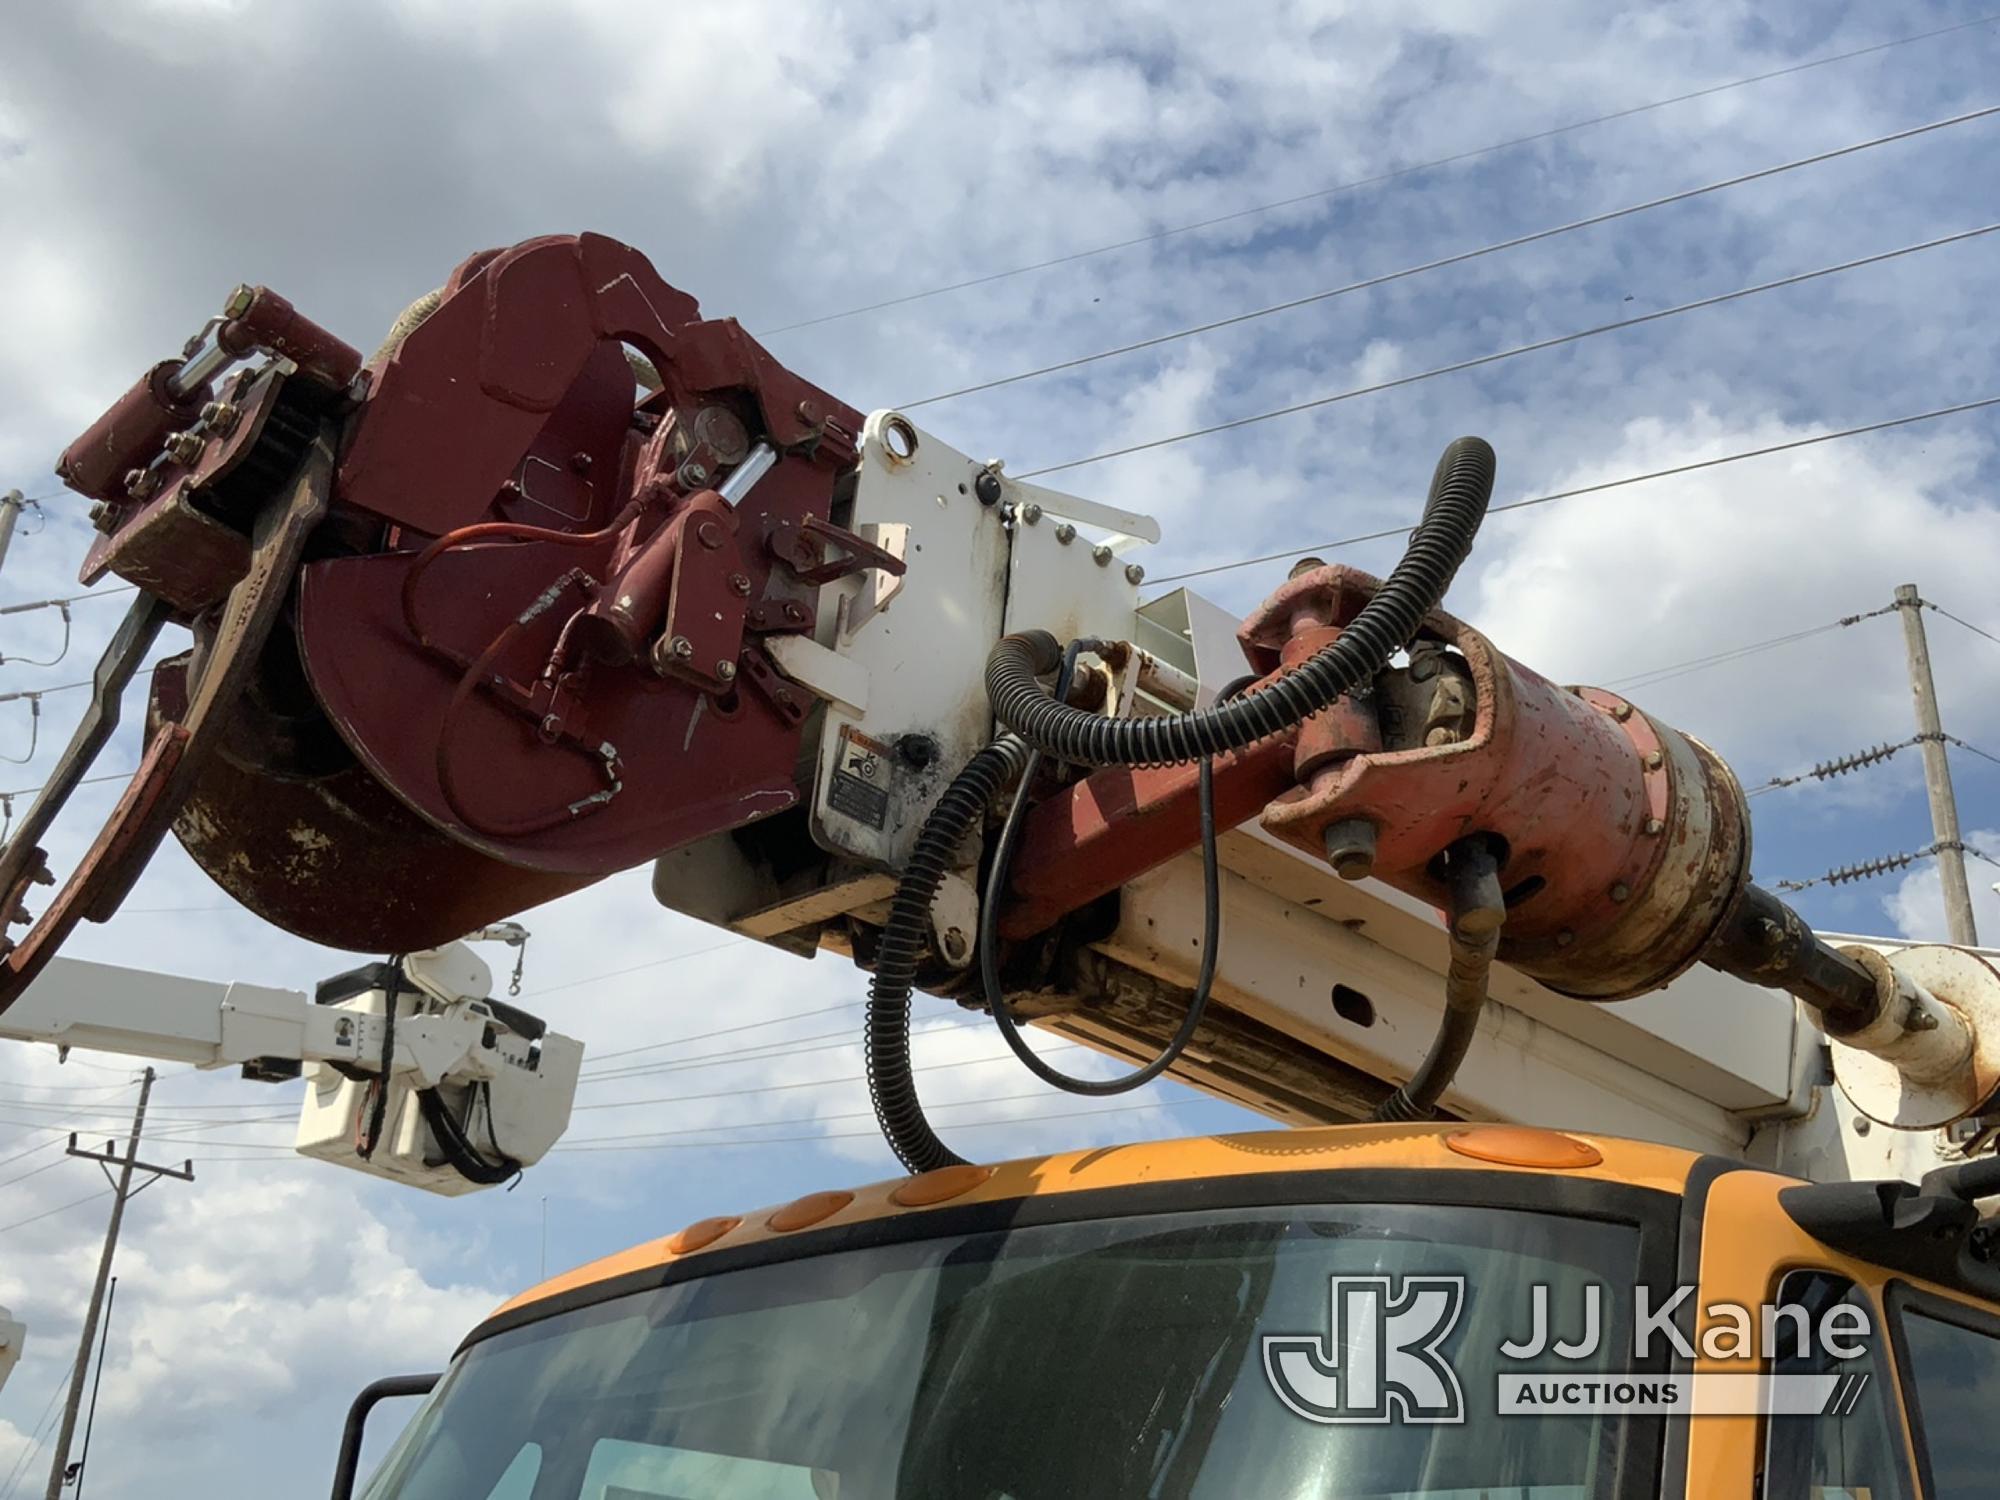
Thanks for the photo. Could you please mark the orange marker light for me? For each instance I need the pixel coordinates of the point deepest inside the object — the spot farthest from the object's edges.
(1523, 1146)
(937, 1186)
(803, 1213)
(701, 1234)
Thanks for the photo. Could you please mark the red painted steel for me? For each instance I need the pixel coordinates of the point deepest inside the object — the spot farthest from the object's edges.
(1119, 822)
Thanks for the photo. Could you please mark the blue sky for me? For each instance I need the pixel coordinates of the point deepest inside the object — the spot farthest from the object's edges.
(782, 164)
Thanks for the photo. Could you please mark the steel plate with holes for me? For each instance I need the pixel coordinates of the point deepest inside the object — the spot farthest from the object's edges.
(923, 649)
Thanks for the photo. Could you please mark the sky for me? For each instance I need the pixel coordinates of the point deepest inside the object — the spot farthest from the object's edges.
(787, 163)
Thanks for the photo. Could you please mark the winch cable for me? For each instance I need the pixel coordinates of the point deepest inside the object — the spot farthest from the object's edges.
(1211, 922)
(1478, 911)
(1460, 490)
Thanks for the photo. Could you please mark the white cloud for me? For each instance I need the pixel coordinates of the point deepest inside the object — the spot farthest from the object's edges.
(1916, 905)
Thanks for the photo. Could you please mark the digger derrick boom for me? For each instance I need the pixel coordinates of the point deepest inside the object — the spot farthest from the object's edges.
(566, 578)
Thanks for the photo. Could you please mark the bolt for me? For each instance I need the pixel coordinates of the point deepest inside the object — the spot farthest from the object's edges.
(681, 647)
(1916, 1018)
(1306, 565)
(1350, 847)
(807, 413)
(239, 300)
(1134, 574)
(725, 671)
(793, 612)
(1654, 760)
(1031, 513)
(709, 535)
(695, 473)
(739, 584)
(220, 416)
(183, 447)
(1564, 938)
(551, 725)
(1621, 892)
(1621, 712)
(1101, 555)
(1654, 828)
(1423, 667)
(987, 487)
(579, 462)
(1442, 734)
(1065, 533)
(785, 698)
(139, 483)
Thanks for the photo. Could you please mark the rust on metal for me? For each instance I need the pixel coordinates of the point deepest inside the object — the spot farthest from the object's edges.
(1627, 844)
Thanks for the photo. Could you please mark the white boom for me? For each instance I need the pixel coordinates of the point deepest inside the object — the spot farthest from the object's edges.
(497, 1071)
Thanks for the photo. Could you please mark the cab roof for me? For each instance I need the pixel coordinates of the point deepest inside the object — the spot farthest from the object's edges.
(1433, 1147)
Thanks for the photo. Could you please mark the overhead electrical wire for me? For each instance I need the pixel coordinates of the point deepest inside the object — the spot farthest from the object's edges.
(60, 1208)
(1975, 629)
(1460, 258)
(1498, 355)
(1391, 175)
(1609, 484)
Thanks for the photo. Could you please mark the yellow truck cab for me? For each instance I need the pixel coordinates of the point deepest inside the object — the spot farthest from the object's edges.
(1431, 1312)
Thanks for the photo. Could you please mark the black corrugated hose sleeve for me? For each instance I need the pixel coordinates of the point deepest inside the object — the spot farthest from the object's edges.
(1478, 911)
(1459, 493)
(891, 1087)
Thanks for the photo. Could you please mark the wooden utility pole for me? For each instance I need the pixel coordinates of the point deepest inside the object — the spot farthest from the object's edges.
(10, 512)
(122, 1191)
(1937, 772)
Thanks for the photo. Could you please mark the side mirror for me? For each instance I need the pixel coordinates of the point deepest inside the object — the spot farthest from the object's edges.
(357, 1421)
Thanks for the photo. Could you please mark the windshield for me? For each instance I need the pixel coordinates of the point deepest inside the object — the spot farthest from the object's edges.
(1109, 1357)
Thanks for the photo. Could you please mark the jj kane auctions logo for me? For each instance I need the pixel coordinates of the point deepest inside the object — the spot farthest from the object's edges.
(1381, 1358)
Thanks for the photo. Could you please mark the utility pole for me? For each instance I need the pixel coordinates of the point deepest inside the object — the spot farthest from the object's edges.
(90, 1422)
(10, 512)
(122, 1191)
(1937, 771)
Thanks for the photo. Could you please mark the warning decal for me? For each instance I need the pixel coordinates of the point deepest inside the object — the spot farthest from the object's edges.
(859, 786)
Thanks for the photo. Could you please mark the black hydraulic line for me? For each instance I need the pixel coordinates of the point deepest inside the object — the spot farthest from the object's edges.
(457, 1147)
(892, 1089)
(1459, 492)
(349, 1461)
(1211, 925)
(1478, 910)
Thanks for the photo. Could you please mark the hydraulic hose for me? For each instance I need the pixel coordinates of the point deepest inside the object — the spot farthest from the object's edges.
(892, 1088)
(1460, 489)
(1478, 910)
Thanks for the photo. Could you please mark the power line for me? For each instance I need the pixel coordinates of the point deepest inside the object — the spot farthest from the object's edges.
(826, 1040)
(61, 1208)
(1843, 765)
(848, 1135)
(653, 963)
(1460, 258)
(68, 599)
(1379, 178)
(810, 1083)
(1479, 361)
(1974, 749)
(702, 1036)
(1609, 484)
(1975, 629)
